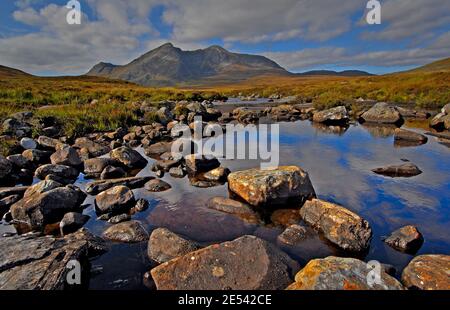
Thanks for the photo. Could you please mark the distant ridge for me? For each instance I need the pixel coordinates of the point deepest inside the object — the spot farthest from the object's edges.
(169, 66)
(442, 65)
(11, 72)
(336, 73)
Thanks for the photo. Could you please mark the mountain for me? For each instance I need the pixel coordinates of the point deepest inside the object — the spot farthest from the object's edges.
(7, 72)
(168, 66)
(336, 73)
(442, 65)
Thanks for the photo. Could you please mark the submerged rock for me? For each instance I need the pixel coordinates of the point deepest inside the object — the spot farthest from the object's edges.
(40, 263)
(333, 116)
(407, 239)
(428, 272)
(128, 232)
(340, 226)
(404, 170)
(338, 273)
(247, 263)
(292, 235)
(382, 113)
(165, 245)
(115, 200)
(271, 186)
(285, 217)
(241, 210)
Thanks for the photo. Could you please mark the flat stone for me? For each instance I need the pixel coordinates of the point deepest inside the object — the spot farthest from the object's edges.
(340, 226)
(271, 186)
(407, 135)
(338, 273)
(119, 218)
(405, 170)
(428, 272)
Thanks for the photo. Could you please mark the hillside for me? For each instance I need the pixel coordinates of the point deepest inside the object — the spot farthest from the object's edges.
(335, 73)
(169, 66)
(437, 66)
(7, 72)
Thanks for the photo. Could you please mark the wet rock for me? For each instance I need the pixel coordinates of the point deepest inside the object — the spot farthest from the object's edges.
(271, 186)
(340, 226)
(37, 156)
(285, 217)
(195, 163)
(67, 156)
(141, 205)
(72, 221)
(411, 136)
(292, 235)
(200, 183)
(96, 187)
(28, 144)
(407, 239)
(165, 245)
(40, 263)
(67, 173)
(93, 148)
(247, 263)
(119, 218)
(217, 175)
(128, 232)
(115, 200)
(129, 157)
(165, 165)
(382, 113)
(158, 148)
(338, 273)
(405, 170)
(47, 142)
(427, 272)
(94, 167)
(46, 203)
(242, 210)
(157, 185)
(5, 167)
(177, 172)
(333, 116)
(111, 172)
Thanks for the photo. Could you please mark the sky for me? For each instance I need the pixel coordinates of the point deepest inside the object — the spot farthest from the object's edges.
(300, 35)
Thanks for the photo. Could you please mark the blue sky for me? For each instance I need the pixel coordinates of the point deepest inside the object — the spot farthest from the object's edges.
(300, 35)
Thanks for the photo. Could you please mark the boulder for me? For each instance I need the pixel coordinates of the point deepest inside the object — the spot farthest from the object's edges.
(158, 148)
(67, 156)
(196, 163)
(18, 161)
(47, 203)
(405, 170)
(165, 245)
(28, 143)
(127, 232)
(292, 235)
(94, 149)
(247, 263)
(37, 157)
(407, 239)
(115, 200)
(5, 167)
(271, 186)
(410, 136)
(71, 222)
(69, 174)
(32, 262)
(96, 187)
(230, 206)
(157, 185)
(338, 273)
(47, 142)
(442, 120)
(111, 172)
(382, 113)
(340, 226)
(164, 115)
(427, 272)
(129, 157)
(333, 116)
(94, 167)
(217, 175)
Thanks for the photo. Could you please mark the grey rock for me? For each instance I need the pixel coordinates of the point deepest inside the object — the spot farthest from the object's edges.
(67, 156)
(28, 143)
(115, 200)
(71, 222)
(129, 157)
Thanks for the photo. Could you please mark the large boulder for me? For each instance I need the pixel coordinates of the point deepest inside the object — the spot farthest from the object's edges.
(340, 226)
(247, 263)
(30, 262)
(47, 203)
(165, 245)
(94, 167)
(428, 272)
(382, 113)
(407, 239)
(116, 200)
(271, 186)
(5, 167)
(128, 157)
(196, 163)
(338, 273)
(37, 157)
(66, 173)
(405, 170)
(333, 116)
(127, 232)
(67, 156)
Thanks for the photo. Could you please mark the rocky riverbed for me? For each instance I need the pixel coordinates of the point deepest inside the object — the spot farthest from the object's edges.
(348, 191)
